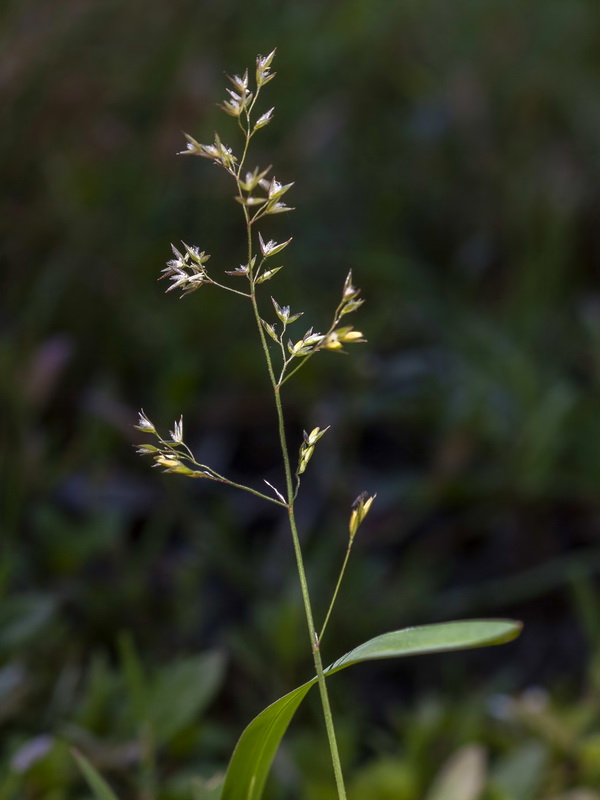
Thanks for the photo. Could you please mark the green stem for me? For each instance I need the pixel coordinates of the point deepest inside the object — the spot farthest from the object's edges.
(212, 474)
(337, 588)
(316, 651)
(291, 494)
(248, 489)
(228, 288)
(293, 372)
(314, 638)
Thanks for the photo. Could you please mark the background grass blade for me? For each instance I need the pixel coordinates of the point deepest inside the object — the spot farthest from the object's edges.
(256, 748)
(96, 782)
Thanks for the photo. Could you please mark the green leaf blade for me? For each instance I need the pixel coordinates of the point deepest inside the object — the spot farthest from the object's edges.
(256, 748)
(426, 639)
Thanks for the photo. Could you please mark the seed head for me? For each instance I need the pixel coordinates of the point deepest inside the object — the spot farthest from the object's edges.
(144, 423)
(264, 119)
(360, 509)
(271, 247)
(177, 432)
(263, 65)
(308, 446)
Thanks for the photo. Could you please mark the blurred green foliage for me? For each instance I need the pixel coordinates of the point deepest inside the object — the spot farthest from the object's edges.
(447, 153)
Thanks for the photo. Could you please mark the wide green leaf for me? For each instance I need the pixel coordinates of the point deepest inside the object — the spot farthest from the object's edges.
(256, 748)
(438, 638)
(96, 782)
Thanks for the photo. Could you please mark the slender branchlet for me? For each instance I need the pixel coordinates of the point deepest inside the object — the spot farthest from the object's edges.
(260, 195)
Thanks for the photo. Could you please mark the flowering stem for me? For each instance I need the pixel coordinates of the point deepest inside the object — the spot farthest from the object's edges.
(312, 631)
(293, 372)
(248, 489)
(314, 638)
(228, 288)
(211, 474)
(336, 590)
(291, 496)
(241, 106)
(186, 271)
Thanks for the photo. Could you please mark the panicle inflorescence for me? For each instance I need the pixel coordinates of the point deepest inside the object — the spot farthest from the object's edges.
(260, 194)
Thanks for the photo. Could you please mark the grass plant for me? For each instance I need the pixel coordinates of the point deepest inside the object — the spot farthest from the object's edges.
(260, 195)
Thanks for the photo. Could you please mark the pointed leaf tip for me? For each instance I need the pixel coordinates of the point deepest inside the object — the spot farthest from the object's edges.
(437, 638)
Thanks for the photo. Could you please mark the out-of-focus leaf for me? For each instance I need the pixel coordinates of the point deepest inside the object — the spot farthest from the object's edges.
(520, 773)
(13, 689)
(23, 617)
(462, 777)
(386, 778)
(588, 758)
(96, 782)
(135, 678)
(182, 691)
(207, 789)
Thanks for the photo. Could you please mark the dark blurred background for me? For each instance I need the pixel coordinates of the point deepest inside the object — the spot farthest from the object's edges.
(447, 153)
